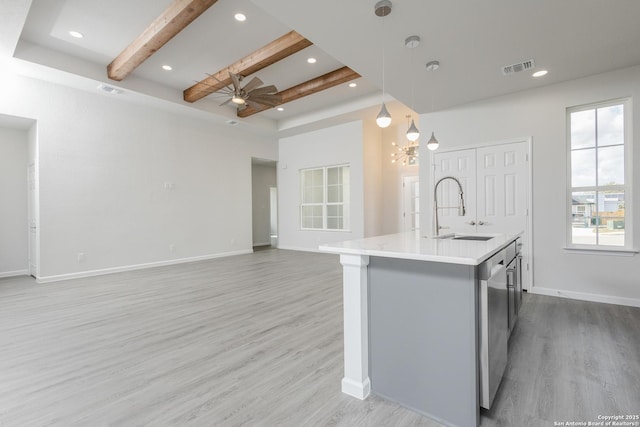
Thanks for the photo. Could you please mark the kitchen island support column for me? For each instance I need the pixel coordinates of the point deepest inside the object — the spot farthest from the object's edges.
(356, 326)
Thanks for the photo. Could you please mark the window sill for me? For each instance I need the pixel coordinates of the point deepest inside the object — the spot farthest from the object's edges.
(601, 251)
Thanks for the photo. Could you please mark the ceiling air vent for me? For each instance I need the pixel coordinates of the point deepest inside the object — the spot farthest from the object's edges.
(109, 89)
(516, 68)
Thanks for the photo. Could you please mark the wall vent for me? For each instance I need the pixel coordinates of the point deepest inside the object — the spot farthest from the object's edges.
(516, 68)
(109, 89)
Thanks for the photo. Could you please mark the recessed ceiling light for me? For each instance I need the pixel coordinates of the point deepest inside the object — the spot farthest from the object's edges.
(280, 109)
(540, 73)
(311, 60)
(353, 84)
(241, 17)
(167, 67)
(76, 34)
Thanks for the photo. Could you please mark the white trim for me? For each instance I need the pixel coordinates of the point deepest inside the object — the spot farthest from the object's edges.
(261, 244)
(601, 250)
(14, 273)
(91, 273)
(606, 299)
(627, 188)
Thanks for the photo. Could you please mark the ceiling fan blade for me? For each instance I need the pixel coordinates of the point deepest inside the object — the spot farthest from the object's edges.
(266, 90)
(254, 83)
(252, 104)
(235, 79)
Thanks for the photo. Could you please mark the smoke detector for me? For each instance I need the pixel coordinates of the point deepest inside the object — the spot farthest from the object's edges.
(519, 67)
(383, 8)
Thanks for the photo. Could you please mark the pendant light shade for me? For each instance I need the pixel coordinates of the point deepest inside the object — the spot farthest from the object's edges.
(413, 133)
(384, 118)
(433, 143)
(382, 9)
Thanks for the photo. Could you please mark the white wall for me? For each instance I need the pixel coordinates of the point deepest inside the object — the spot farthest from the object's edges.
(263, 177)
(373, 179)
(541, 113)
(393, 174)
(103, 166)
(335, 145)
(13, 202)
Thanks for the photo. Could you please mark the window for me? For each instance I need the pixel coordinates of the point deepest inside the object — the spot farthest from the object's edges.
(325, 198)
(599, 174)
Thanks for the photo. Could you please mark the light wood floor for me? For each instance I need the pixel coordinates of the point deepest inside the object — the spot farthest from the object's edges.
(256, 340)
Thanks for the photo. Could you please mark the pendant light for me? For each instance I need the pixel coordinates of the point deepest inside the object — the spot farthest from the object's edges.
(412, 42)
(433, 143)
(382, 9)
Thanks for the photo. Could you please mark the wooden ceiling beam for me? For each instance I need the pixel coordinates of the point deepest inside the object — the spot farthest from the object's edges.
(173, 20)
(275, 51)
(326, 81)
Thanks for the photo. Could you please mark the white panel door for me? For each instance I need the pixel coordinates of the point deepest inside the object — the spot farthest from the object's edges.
(411, 202)
(503, 197)
(502, 188)
(461, 165)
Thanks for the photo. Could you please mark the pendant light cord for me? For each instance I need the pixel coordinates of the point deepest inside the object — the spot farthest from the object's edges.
(383, 57)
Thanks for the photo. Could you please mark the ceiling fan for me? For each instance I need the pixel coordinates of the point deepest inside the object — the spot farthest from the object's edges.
(251, 94)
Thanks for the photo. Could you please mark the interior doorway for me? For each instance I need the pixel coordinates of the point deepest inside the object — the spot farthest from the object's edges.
(264, 198)
(16, 152)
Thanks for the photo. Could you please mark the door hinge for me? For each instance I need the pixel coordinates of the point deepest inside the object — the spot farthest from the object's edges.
(526, 157)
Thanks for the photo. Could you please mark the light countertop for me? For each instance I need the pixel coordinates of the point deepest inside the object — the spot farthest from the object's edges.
(412, 245)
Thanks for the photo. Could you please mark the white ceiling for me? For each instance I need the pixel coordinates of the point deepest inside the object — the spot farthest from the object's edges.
(472, 39)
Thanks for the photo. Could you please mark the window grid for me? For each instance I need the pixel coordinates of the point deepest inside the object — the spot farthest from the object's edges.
(589, 203)
(328, 212)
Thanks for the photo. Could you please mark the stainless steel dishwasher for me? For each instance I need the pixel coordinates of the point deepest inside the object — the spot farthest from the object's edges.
(493, 324)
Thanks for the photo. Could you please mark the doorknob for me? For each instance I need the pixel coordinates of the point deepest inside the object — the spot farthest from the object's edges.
(471, 223)
(482, 223)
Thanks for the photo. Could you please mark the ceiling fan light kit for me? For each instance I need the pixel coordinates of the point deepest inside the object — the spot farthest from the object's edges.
(253, 94)
(382, 9)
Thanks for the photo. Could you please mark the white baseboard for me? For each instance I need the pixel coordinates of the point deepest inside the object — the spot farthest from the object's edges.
(14, 273)
(262, 244)
(583, 296)
(91, 273)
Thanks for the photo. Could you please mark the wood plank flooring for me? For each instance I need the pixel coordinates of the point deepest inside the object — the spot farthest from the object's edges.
(256, 340)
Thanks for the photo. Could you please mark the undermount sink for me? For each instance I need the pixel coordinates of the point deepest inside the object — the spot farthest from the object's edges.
(463, 237)
(481, 238)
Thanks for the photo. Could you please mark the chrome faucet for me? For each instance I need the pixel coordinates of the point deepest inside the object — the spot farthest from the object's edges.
(460, 207)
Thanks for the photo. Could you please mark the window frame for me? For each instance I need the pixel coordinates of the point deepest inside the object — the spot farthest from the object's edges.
(346, 212)
(626, 187)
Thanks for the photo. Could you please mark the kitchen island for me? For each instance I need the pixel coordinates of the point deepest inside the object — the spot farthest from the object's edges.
(412, 308)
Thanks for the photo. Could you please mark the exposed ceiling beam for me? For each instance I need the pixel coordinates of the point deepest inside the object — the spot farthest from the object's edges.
(326, 81)
(275, 51)
(173, 20)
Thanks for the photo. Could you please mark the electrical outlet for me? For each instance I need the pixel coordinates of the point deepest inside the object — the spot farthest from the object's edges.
(172, 247)
(81, 257)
